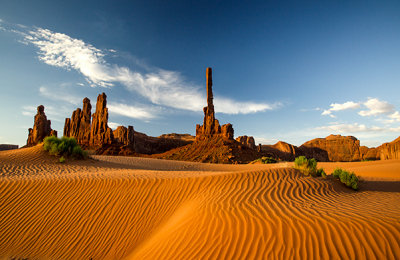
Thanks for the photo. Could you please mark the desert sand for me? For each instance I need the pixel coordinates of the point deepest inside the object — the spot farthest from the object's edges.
(142, 208)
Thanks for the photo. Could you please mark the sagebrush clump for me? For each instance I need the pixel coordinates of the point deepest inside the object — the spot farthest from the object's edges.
(308, 167)
(64, 147)
(346, 177)
(266, 160)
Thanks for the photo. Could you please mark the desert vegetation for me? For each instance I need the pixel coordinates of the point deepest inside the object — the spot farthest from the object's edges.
(265, 160)
(346, 177)
(308, 167)
(64, 147)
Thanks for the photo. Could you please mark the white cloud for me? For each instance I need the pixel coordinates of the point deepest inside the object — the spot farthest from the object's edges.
(63, 96)
(376, 107)
(131, 111)
(161, 87)
(113, 125)
(395, 116)
(339, 107)
(356, 128)
(262, 140)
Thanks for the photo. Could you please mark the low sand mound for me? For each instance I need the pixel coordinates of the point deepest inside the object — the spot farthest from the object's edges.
(116, 207)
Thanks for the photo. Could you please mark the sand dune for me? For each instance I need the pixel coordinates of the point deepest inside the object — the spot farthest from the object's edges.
(141, 208)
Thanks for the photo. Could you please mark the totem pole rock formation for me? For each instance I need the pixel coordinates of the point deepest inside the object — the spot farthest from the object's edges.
(41, 128)
(78, 125)
(211, 127)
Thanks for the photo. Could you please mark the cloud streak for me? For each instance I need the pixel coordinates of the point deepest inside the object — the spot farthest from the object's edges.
(160, 87)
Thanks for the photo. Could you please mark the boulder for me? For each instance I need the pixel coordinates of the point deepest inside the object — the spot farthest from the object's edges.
(41, 128)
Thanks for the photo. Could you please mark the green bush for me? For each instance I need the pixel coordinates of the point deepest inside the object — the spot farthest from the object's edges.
(347, 178)
(308, 166)
(321, 173)
(266, 160)
(62, 159)
(65, 146)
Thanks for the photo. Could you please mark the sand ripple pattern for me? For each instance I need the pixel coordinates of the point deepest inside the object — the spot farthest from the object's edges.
(117, 208)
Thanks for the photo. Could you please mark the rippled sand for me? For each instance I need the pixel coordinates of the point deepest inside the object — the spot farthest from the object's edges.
(140, 208)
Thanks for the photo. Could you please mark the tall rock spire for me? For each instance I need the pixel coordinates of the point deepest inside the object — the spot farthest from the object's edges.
(211, 126)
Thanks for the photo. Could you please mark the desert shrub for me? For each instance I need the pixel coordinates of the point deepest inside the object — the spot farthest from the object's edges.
(65, 146)
(62, 159)
(266, 160)
(308, 166)
(321, 173)
(346, 177)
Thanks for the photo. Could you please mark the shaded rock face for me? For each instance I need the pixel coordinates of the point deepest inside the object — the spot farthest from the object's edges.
(211, 126)
(247, 141)
(78, 126)
(339, 148)
(388, 151)
(124, 135)
(41, 128)
(100, 132)
(335, 148)
(145, 144)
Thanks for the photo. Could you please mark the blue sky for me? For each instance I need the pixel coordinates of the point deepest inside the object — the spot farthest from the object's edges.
(281, 70)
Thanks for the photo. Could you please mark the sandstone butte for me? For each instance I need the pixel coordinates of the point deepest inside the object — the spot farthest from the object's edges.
(214, 143)
(41, 128)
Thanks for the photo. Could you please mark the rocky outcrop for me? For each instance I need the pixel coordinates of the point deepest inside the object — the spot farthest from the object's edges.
(41, 128)
(124, 135)
(335, 148)
(388, 151)
(211, 126)
(100, 132)
(338, 148)
(79, 125)
(145, 144)
(247, 141)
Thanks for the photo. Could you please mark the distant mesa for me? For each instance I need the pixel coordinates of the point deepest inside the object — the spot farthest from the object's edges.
(334, 148)
(41, 128)
(247, 141)
(5, 147)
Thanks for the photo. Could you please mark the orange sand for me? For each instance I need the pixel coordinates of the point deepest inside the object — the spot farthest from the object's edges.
(138, 208)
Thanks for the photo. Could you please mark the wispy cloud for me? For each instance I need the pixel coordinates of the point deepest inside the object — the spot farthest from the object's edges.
(339, 107)
(59, 95)
(142, 112)
(161, 87)
(356, 128)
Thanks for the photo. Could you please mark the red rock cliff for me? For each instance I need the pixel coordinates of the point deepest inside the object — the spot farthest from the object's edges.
(100, 132)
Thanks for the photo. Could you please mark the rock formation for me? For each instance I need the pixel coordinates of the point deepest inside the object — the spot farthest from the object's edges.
(390, 150)
(333, 148)
(78, 126)
(339, 148)
(100, 132)
(214, 143)
(124, 135)
(247, 141)
(41, 128)
(211, 125)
